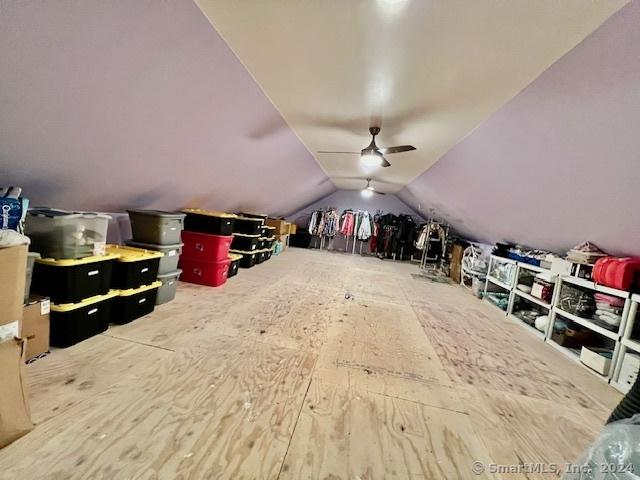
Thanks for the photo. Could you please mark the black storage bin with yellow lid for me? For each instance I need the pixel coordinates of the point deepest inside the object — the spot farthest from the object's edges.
(207, 221)
(134, 267)
(261, 216)
(244, 242)
(248, 225)
(234, 265)
(268, 242)
(261, 257)
(74, 322)
(134, 303)
(268, 253)
(71, 281)
(248, 258)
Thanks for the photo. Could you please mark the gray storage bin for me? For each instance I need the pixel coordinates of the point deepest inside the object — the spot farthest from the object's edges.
(167, 291)
(168, 263)
(31, 259)
(155, 226)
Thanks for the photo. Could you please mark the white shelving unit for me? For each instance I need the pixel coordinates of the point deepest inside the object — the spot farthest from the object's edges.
(621, 337)
(626, 343)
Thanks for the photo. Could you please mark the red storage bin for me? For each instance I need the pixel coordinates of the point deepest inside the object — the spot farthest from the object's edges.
(204, 246)
(211, 274)
(620, 273)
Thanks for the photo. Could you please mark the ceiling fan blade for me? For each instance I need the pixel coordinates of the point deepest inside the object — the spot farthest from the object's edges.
(379, 193)
(398, 149)
(351, 153)
(385, 162)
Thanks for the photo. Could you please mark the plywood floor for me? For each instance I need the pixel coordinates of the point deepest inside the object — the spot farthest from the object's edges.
(279, 375)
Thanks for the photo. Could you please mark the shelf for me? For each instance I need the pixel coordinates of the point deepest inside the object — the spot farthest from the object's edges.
(533, 330)
(635, 297)
(533, 268)
(581, 282)
(504, 259)
(631, 344)
(575, 356)
(590, 325)
(494, 305)
(531, 298)
(497, 282)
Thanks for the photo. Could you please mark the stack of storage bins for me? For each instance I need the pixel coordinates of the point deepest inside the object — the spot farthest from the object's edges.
(207, 239)
(160, 232)
(269, 238)
(74, 271)
(247, 236)
(134, 277)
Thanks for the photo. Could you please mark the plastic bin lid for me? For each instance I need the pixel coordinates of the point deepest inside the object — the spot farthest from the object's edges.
(235, 256)
(254, 215)
(53, 213)
(209, 213)
(132, 254)
(153, 246)
(33, 254)
(243, 252)
(157, 213)
(79, 261)
(246, 235)
(250, 219)
(144, 288)
(166, 276)
(67, 307)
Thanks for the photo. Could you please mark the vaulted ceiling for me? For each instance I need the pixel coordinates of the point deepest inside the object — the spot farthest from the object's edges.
(427, 72)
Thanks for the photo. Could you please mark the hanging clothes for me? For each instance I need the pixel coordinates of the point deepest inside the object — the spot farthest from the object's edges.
(364, 227)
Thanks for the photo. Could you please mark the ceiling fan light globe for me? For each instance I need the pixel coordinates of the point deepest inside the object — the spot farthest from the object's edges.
(371, 160)
(366, 193)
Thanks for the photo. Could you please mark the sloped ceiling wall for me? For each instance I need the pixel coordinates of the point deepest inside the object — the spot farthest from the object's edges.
(558, 164)
(110, 105)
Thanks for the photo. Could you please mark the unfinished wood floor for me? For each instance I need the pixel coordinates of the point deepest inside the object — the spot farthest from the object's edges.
(278, 375)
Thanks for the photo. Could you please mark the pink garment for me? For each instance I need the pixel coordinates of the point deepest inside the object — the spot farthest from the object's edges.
(348, 223)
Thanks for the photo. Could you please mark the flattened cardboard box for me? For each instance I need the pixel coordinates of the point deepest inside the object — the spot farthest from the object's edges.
(15, 418)
(35, 326)
(13, 274)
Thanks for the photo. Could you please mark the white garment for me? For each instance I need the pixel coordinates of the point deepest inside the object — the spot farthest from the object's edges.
(364, 230)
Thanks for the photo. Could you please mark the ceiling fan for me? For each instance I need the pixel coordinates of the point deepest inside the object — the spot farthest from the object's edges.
(373, 155)
(368, 191)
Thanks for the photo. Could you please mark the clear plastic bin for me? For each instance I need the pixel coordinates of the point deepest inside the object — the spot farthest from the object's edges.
(66, 235)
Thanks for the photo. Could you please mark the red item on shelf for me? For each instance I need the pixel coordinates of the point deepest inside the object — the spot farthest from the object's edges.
(620, 273)
(211, 274)
(204, 246)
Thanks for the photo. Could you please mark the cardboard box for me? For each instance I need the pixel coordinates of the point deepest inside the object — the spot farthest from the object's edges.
(13, 273)
(455, 267)
(293, 229)
(282, 226)
(598, 359)
(34, 327)
(15, 418)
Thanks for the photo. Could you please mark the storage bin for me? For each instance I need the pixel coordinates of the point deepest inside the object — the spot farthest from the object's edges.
(268, 242)
(234, 265)
(74, 322)
(269, 232)
(201, 272)
(156, 226)
(134, 267)
(167, 291)
(248, 225)
(205, 246)
(268, 253)
(169, 262)
(245, 242)
(543, 285)
(31, 259)
(248, 258)
(134, 303)
(264, 231)
(598, 359)
(206, 221)
(260, 256)
(59, 234)
(71, 281)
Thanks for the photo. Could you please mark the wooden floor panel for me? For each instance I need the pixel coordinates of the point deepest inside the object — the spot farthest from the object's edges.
(312, 365)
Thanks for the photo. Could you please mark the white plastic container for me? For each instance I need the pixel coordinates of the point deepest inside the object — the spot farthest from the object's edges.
(66, 235)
